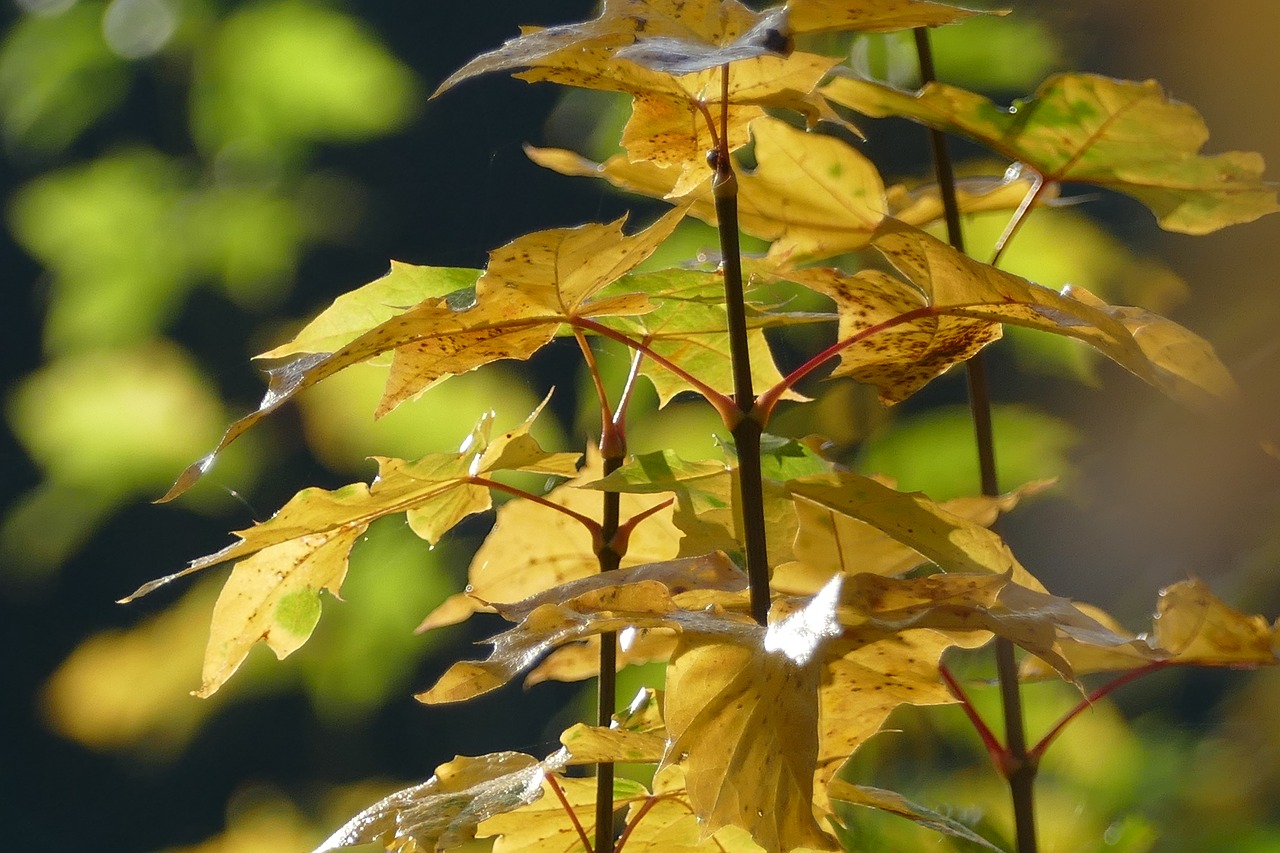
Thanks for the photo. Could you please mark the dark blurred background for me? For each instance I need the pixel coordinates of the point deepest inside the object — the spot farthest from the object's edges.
(185, 180)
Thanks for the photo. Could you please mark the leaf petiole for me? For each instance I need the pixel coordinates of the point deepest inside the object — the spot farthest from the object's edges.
(573, 817)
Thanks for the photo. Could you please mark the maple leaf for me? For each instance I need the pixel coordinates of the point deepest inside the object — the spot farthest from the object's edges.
(688, 328)
(812, 194)
(955, 543)
(1159, 351)
(511, 565)
(283, 564)
(872, 16)
(546, 826)
(623, 599)
(828, 541)
(741, 708)
(532, 286)
(636, 734)
(1191, 627)
(1124, 135)
(444, 811)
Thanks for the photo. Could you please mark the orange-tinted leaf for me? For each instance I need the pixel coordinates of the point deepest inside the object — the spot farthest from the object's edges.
(742, 711)
(894, 803)
(443, 812)
(1082, 127)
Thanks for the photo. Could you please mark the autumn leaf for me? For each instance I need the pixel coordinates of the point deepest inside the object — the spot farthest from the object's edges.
(1124, 135)
(283, 564)
(667, 823)
(1157, 350)
(637, 734)
(444, 811)
(619, 605)
(872, 16)
(828, 541)
(532, 287)
(953, 542)
(367, 307)
(812, 194)
(742, 712)
(545, 825)
(894, 803)
(533, 548)
(1191, 627)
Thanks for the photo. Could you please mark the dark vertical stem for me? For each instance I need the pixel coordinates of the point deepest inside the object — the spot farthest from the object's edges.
(1021, 769)
(747, 430)
(613, 451)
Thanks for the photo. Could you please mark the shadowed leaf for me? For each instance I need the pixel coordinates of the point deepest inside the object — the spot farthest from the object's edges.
(895, 803)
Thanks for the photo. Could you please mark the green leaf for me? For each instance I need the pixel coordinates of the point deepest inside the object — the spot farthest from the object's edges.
(1124, 135)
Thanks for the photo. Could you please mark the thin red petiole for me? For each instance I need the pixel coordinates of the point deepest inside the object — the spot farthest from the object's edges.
(1037, 751)
(631, 824)
(590, 523)
(766, 401)
(573, 817)
(999, 754)
(723, 405)
(622, 538)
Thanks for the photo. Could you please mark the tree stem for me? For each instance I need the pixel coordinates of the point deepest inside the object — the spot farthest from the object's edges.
(746, 429)
(1022, 768)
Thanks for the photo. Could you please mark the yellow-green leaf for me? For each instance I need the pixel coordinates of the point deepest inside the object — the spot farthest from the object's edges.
(1120, 134)
(533, 286)
(545, 825)
(1196, 627)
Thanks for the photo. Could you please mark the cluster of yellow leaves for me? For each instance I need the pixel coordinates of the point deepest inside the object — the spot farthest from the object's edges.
(756, 720)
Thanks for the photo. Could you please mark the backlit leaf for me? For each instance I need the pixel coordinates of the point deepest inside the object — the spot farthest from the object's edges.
(667, 823)
(742, 711)
(688, 327)
(828, 541)
(544, 826)
(953, 542)
(443, 812)
(1159, 351)
(364, 308)
(814, 195)
(273, 593)
(1196, 627)
(871, 16)
(1120, 134)
(533, 548)
(533, 285)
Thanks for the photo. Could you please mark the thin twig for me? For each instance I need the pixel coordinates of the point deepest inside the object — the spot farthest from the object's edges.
(573, 816)
(1021, 769)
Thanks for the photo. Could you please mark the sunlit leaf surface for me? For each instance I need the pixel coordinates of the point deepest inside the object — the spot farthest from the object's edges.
(1120, 134)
